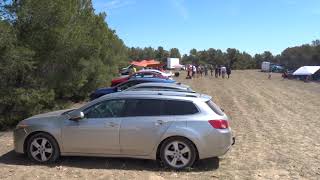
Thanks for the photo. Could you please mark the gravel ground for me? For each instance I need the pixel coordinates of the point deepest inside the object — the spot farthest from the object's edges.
(276, 123)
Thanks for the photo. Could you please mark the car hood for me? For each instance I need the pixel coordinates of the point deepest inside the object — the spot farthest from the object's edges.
(50, 114)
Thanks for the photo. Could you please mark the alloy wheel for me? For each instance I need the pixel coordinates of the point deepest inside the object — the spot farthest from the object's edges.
(177, 154)
(41, 149)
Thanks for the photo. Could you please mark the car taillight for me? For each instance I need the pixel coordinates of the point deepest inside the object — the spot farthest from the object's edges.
(219, 124)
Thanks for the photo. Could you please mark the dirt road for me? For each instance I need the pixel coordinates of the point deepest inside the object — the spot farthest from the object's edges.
(276, 123)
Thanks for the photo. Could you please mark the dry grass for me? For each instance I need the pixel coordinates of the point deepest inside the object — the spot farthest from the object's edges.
(276, 122)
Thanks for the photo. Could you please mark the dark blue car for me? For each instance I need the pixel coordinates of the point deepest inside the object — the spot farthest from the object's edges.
(123, 86)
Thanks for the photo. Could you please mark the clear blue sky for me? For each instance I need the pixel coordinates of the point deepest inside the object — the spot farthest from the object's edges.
(248, 25)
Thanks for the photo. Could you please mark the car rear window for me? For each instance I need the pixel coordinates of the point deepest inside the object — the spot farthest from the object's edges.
(214, 108)
(173, 107)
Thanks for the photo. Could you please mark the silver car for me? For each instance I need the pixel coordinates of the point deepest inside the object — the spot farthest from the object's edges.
(173, 127)
(178, 87)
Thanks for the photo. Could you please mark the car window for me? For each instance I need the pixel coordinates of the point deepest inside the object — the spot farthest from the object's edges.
(140, 75)
(214, 108)
(105, 109)
(128, 84)
(149, 76)
(175, 107)
(144, 75)
(143, 107)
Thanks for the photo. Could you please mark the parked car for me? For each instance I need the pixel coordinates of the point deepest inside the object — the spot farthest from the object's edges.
(178, 87)
(126, 70)
(169, 75)
(123, 86)
(176, 128)
(144, 74)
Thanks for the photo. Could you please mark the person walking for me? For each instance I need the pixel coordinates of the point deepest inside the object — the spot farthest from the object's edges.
(201, 70)
(285, 74)
(223, 71)
(194, 70)
(216, 71)
(134, 69)
(197, 71)
(189, 69)
(206, 70)
(269, 75)
(211, 69)
(228, 71)
(219, 70)
(131, 71)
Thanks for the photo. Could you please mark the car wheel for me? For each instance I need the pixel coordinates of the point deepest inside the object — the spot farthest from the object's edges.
(42, 148)
(178, 153)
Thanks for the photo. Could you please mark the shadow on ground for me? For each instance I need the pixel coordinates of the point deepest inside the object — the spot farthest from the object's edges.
(12, 158)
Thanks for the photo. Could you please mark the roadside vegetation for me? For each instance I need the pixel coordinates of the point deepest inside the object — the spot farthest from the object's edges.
(52, 52)
(56, 52)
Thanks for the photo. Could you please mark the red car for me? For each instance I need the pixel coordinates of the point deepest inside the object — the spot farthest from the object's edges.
(144, 74)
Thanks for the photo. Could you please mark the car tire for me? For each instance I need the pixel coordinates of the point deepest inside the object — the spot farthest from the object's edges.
(178, 153)
(42, 148)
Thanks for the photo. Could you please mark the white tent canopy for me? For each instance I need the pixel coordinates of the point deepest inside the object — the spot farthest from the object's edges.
(306, 70)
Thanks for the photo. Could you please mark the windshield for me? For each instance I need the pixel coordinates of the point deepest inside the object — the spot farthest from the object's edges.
(67, 112)
(126, 85)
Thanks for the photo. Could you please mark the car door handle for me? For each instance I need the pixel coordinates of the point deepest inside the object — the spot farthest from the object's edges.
(159, 122)
(112, 124)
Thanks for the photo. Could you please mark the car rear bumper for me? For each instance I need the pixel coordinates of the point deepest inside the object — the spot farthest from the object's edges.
(217, 144)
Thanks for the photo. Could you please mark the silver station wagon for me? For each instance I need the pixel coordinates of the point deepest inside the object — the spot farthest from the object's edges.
(173, 127)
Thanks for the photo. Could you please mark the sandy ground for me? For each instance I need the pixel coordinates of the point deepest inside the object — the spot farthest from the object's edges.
(276, 123)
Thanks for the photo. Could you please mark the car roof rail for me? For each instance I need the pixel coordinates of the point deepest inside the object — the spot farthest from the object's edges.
(189, 95)
(165, 93)
(182, 94)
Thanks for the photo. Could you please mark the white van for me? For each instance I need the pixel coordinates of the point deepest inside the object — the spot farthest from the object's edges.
(265, 66)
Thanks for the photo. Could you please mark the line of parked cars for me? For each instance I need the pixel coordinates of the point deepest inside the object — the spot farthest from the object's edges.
(149, 118)
(125, 82)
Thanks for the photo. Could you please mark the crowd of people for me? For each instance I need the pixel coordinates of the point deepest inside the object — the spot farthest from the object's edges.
(195, 71)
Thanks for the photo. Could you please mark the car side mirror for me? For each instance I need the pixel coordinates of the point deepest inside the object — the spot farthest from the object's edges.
(76, 115)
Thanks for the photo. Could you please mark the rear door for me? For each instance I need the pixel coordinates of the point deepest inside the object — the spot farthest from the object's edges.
(143, 126)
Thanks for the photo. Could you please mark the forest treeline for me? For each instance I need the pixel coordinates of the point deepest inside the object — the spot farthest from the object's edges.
(58, 51)
(291, 58)
(53, 52)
